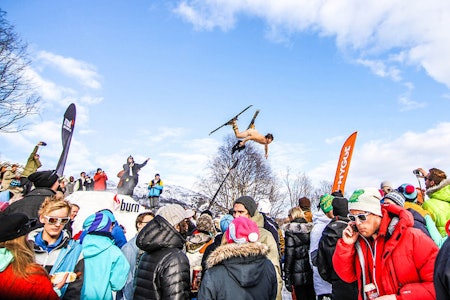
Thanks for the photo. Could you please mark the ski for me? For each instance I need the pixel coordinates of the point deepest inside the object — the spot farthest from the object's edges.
(235, 117)
(252, 122)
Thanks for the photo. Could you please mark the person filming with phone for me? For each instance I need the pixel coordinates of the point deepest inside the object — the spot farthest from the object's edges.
(382, 251)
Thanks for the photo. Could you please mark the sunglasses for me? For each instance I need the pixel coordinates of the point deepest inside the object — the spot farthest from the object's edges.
(361, 217)
(55, 220)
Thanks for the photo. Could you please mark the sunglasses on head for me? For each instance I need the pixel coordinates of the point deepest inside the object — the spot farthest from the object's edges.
(361, 217)
(55, 220)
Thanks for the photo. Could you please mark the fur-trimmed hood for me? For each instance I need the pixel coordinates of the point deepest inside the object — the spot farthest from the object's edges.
(296, 227)
(227, 251)
(440, 191)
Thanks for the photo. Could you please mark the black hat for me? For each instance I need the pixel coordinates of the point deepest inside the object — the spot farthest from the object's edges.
(15, 225)
(248, 203)
(43, 178)
(340, 206)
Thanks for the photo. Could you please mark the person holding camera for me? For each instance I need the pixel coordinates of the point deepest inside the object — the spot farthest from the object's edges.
(100, 179)
(438, 191)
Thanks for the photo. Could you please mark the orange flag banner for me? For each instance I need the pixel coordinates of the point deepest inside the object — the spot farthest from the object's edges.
(344, 163)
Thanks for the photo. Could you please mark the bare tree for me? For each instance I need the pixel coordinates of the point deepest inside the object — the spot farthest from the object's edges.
(324, 188)
(298, 186)
(252, 176)
(17, 100)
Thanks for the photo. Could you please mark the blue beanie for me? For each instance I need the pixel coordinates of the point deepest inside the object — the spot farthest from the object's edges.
(97, 222)
(225, 222)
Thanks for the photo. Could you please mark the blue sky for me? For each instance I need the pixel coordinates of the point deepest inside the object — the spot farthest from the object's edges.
(152, 79)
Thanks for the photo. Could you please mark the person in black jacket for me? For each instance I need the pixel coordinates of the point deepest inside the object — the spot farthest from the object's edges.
(130, 176)
(46, 184)
(338, 212)
(441, 276)
(297, 270)
(240, 268)
(163, 271)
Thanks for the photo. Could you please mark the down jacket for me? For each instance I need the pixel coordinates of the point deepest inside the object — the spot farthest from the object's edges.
(404, 258)
(297, 269)
(163, 271)
(239, 271)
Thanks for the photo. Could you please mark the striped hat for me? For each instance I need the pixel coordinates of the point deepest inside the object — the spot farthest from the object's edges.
(97, 222)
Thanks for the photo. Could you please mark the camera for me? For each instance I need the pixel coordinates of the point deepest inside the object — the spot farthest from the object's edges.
(417, 173)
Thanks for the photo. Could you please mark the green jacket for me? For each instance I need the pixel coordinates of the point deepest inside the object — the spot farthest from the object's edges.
(439, 204)
(32, 164)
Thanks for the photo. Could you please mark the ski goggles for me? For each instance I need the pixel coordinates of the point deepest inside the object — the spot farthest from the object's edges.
(361, 217)
(55, 220)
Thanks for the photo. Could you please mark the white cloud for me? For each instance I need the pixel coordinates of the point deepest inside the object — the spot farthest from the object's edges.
(335, 139)
(406, 102)
(84, 72)
(415, 31)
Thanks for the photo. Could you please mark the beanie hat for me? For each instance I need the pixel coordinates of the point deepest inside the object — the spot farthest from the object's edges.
(248, 203)
(109, 214)
(15, 225)
(397, 197)
(205, 224)
(340, 206)
(98, 222)
(225, 222)
(207, 211)
(174, 213)
(367, 199)
(385, 183)
(242, 230)
(408, 191)
(264, 206)
(304, 203)
(326, 203)
(44, 179)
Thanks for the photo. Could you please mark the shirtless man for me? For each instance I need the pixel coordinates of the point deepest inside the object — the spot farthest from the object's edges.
(252, 134)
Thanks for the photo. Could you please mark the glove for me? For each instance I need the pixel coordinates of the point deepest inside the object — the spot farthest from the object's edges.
(288, 286)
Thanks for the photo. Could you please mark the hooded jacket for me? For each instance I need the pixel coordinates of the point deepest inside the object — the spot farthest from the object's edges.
(320, 221)
(239, 271)
(297, 269)
(439, 204)
(106, 267)
(163, 272)
(65, 257)
(400, 261)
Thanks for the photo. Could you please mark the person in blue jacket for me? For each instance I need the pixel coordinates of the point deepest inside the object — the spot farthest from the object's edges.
(106, 268)
(155, 188)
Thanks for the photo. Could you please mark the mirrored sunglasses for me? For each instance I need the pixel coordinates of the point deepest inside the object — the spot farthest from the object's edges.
(55, 220)
(361, 217)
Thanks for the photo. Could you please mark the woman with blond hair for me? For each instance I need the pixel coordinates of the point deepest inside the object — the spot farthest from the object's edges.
(297, 270)
(54, 248)
(20, 276)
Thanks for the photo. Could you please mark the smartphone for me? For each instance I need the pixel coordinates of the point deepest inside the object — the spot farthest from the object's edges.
(354, 228)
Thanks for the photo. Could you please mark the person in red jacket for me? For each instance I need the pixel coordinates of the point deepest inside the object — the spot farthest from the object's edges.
(381, 249)
(20, 276)
(100, 179)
